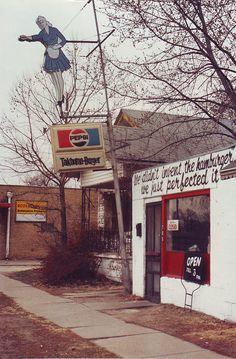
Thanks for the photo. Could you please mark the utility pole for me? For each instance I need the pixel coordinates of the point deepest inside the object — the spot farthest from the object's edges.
(125, 264)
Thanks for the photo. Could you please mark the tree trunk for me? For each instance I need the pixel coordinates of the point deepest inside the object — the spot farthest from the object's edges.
(63, 214)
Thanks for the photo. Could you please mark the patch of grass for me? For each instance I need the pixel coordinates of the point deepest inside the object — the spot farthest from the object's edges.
(35, 278)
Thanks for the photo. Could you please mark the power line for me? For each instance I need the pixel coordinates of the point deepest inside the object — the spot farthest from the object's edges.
(75, 16)
(86, 41)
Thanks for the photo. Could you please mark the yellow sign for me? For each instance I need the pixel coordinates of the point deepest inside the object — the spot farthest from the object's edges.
(31, 211)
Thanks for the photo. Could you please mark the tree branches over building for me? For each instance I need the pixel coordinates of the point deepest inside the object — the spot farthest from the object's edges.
(185, 58)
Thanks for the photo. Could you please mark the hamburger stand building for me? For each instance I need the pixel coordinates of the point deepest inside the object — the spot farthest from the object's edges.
(184, 233)
(183, 223)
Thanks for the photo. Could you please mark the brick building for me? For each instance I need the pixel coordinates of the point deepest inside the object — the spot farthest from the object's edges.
(30, 237)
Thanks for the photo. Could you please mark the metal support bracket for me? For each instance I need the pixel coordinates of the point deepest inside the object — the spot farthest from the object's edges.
(188, 298)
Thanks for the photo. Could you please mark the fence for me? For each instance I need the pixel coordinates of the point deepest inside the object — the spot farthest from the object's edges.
(104, 241)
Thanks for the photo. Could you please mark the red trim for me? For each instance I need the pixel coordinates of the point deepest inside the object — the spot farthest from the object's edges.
(200, 192)
(5, 205)
(172, 262)
(163, 244)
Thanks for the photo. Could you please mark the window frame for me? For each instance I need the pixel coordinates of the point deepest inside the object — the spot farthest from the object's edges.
(172, 261)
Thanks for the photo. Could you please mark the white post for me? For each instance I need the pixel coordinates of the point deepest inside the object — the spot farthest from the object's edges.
(9, 198)
(124, 260)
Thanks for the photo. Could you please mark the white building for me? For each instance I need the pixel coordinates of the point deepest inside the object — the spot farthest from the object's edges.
(186, 207)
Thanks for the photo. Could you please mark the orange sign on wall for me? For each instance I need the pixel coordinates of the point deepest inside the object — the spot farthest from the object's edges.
(31, 211)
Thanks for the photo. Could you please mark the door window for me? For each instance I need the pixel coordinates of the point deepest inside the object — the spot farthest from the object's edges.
(192, 218)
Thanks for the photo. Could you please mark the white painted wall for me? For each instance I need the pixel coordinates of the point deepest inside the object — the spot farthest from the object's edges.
(218, 298)
(110, 266)
(92, 178)
(138, 248)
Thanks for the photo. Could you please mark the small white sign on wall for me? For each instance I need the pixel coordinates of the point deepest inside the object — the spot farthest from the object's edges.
(173, 225)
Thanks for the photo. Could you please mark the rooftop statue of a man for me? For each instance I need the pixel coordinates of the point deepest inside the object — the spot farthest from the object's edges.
(55, 61)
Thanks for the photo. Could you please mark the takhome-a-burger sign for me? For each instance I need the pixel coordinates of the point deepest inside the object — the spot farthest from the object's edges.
(77, 147)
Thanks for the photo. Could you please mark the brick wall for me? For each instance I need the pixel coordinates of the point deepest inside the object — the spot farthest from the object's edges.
(30, 239)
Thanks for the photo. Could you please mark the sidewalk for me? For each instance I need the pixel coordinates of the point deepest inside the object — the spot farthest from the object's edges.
(125, 340)
(18, 265)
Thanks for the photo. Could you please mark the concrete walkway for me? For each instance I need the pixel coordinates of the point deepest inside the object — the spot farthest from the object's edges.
(87, 320)
(7, 265)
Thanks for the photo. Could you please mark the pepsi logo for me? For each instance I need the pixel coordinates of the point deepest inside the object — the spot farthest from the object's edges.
(79, 137)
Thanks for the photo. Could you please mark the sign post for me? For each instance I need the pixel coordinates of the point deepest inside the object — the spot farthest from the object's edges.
(125, 264)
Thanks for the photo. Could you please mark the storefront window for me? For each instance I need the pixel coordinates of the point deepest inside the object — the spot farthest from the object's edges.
(188, 224)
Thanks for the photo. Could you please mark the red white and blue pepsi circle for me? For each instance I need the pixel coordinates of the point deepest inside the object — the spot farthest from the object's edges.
(79, 137)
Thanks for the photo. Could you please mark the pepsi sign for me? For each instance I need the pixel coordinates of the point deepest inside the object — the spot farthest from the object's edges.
(84, 140)
(78, 137)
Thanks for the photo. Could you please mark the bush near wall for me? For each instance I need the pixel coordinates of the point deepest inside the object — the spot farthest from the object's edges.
(70, 264)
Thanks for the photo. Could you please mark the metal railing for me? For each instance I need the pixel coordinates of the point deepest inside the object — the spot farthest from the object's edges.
(104, 241)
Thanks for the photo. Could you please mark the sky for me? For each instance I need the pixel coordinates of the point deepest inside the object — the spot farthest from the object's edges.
(17, 17)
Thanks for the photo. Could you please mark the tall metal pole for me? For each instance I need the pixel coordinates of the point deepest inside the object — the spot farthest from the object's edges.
(125, 265)
(9, 199)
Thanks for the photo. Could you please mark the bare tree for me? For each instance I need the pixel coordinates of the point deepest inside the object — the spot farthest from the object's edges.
(38, 180)
(25, 140)
(185, 56)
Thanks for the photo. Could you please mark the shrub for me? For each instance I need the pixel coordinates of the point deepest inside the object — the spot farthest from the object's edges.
(69, 264)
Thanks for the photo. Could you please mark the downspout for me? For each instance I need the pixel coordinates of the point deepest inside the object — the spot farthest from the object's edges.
(9, 198)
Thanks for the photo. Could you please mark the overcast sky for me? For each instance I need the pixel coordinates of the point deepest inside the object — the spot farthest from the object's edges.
(18, 17)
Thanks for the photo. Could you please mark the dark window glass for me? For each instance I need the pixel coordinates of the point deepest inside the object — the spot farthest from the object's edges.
(191, 229)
